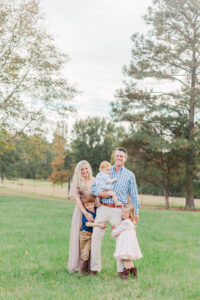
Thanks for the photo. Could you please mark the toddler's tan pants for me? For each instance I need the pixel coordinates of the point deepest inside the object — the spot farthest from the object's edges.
(85, 245)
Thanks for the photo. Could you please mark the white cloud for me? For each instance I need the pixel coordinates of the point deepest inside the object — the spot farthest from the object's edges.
(96, 35)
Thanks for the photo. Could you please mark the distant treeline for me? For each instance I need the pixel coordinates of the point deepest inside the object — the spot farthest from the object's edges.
(93, 139)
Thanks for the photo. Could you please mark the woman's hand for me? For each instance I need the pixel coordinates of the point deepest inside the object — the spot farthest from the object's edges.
(89, 217)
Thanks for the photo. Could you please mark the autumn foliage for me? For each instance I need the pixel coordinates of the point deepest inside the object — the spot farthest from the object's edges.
(59, 174)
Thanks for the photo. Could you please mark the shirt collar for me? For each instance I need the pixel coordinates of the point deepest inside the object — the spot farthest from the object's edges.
(120, 170)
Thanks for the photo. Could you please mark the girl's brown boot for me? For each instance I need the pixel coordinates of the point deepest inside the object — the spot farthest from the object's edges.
(133, 271)
(125, 274)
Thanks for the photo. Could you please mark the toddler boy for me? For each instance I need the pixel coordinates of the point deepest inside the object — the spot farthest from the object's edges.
(86, 232)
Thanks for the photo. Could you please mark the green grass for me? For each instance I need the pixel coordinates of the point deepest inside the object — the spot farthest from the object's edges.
(34, 237)
(37, 182)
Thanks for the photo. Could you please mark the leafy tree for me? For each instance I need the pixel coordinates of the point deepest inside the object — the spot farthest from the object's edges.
(7, 152)
(32, 83)
(59, 174)
(94, 140)
(35, 153)
(152, 163)
(170, 52)
(69, 166)
(31, 157)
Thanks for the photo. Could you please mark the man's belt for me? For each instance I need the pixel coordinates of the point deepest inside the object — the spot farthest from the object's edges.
(111, 205)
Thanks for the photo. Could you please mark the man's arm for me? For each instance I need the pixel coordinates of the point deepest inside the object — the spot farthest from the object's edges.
(133, 192)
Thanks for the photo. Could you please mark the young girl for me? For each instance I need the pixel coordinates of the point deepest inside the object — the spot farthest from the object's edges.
(127, 247)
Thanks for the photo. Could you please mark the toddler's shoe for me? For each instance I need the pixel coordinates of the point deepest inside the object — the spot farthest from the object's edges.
(83, 267)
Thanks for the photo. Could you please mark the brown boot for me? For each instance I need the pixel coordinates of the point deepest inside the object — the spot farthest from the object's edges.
(125, 274)
(133, 271)
(87, 266)
(93, 273)
(82, 267)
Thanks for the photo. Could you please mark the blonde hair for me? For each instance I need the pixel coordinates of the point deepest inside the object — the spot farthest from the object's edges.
(78, 179)
(131, 211)
(104, 164)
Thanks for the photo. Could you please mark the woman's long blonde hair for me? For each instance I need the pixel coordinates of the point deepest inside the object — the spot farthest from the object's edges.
(78, 179)
(131, 211)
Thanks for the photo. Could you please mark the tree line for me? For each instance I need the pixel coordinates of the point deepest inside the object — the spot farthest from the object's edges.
(159, 102)
(33, 156)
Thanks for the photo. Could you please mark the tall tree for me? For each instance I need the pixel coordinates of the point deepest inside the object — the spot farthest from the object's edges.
(59, 174)
(32, 82)
(26, 156)
(8, 154)
(93, 139)
(152, 162)
(35, 153)
(170, 52)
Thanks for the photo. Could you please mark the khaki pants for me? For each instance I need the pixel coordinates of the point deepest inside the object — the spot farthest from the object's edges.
(85, 245)
(104, 214)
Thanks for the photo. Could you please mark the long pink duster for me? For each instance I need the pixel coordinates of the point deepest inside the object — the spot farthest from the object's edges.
(74, 246)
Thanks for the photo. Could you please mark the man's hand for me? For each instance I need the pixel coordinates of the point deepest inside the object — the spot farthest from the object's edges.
(113, 180)
(118, 204)
(136, 218)
(112, 194)
(105, 194)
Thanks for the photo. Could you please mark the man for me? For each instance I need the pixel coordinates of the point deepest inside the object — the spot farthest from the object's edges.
(108, 212)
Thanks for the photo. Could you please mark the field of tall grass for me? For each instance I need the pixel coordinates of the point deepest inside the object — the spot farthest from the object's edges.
(34, 238)
(45, 189)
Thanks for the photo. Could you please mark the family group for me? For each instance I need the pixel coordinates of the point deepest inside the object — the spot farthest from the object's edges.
(98, 201)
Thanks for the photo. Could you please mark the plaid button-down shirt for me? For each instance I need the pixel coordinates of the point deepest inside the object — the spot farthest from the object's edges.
(124, 186)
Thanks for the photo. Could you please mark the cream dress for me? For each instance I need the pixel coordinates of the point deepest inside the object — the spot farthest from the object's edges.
(127, 246)
(74, 246)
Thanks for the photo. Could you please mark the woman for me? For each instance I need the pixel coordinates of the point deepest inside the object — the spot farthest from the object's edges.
(81, 184)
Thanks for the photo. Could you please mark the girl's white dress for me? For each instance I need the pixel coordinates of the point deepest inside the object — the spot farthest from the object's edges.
(127, 246)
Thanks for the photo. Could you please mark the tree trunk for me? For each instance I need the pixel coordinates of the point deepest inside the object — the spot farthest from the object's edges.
(69, 179)
(189, 193)
(190, 152)
(166, 194)
(2, 174)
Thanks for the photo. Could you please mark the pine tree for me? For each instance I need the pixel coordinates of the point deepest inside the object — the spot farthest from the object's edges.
(170, 53)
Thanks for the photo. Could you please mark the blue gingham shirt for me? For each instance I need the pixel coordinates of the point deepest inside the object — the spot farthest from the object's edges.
(124, 186)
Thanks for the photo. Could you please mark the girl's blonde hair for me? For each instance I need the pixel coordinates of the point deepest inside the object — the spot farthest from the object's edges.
(78, 179)
(104, 164)
(131, 211)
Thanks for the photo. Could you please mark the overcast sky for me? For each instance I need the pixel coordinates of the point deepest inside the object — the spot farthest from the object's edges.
(96, 35)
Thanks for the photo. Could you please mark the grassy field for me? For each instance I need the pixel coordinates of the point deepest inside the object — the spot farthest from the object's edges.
(34, 236)
(45, 189)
